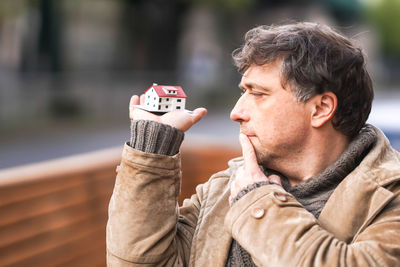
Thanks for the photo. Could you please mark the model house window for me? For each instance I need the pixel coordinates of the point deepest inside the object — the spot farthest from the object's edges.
(159, 107)
(179, 100)
(167, 99)
(166, 106)
(154, 98)
(178, 107)
(159, 100)
(170, 90)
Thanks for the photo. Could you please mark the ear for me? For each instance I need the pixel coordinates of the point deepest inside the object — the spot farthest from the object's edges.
(323, 108)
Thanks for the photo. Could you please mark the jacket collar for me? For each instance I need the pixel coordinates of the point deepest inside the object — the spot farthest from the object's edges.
(362, 195)
(382, 164)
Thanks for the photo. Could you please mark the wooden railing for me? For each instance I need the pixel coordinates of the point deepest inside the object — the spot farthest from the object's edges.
(54, 213)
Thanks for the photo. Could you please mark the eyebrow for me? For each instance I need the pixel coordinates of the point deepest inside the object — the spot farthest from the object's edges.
(251, 85)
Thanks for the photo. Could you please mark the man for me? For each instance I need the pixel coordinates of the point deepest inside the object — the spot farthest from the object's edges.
(316, 186)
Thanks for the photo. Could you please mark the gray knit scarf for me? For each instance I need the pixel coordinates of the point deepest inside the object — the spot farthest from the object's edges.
(315, 192)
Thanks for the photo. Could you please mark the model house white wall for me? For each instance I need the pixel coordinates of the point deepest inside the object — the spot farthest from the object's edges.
(164, 98)
(152, 100)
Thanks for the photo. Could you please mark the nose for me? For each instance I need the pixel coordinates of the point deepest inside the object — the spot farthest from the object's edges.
(239, 113)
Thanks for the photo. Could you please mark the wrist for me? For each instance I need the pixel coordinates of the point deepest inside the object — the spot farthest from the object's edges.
(154, 137)
(248, 189)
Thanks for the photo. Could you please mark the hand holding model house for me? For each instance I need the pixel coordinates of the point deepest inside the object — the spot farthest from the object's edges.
(164, 104)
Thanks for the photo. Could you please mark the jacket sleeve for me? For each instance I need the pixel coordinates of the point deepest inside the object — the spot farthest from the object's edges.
(276, 230)
(145, 225)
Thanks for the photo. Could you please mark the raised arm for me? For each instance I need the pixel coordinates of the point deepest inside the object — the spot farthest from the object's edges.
(145, 225)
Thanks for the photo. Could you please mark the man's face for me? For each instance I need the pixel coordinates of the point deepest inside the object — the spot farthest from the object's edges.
(276, 123)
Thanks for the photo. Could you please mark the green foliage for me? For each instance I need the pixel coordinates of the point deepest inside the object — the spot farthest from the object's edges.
(227, 5)
(385, 15)
(11, 8)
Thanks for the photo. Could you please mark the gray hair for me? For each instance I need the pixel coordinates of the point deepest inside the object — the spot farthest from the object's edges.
(315, 59)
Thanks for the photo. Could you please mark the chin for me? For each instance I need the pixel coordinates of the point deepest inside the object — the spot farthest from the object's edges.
(265, 158)
(262, 157)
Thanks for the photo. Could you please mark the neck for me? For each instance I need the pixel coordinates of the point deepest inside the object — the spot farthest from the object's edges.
(313, 157)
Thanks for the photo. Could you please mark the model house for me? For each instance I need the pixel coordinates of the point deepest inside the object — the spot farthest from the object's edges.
(164, 98)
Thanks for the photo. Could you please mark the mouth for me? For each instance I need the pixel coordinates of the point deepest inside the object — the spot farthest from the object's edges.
(246, 131)
(250, 136)
(247, 134)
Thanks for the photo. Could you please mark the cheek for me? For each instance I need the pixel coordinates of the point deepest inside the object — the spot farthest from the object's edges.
(282, 124)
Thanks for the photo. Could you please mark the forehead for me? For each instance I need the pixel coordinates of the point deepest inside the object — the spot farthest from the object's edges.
(268, 74)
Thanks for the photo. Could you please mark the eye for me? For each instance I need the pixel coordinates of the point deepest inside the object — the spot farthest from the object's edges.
(256, 93)
(242, 91)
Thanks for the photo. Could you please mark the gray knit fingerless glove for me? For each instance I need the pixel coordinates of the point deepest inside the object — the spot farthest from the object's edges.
(154, 137)
(249, 188)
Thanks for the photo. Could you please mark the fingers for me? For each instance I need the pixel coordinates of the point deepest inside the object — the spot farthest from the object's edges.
(236, 185)
(201, 111)
(198, 113)
(273, 178)
(136, 113)
(134, 101)
(142, 99)
(249, 155)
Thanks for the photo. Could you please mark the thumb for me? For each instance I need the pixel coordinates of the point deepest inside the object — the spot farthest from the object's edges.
(197, 114)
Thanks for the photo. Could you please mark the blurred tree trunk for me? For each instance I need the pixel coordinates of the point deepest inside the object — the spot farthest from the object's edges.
(49, 35)
(50, 45)
(153, 28)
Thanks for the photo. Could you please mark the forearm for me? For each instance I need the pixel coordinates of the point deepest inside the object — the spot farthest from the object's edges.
(153, 137)
(143, 209)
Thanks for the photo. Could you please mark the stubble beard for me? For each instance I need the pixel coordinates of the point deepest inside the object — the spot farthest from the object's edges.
(264, 157)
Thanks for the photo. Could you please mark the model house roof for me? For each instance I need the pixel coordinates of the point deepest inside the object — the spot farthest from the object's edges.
(168, 91)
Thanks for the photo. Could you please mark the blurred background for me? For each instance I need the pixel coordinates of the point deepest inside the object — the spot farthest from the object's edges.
(69, 67)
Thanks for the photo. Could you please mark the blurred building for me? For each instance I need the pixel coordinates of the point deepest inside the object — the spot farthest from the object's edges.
(81, 60)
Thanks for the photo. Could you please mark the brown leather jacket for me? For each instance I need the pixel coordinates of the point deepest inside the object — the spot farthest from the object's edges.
(359, 225)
